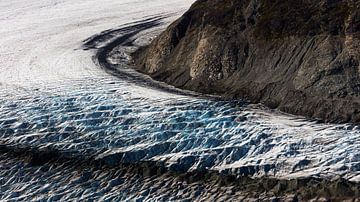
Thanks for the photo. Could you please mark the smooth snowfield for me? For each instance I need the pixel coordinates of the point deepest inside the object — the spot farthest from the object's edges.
(54, 95)
(40, 39)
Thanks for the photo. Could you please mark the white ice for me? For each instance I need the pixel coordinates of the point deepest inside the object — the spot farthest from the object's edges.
(53, 94)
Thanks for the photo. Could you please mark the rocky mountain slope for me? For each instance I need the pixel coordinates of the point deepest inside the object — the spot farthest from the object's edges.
(299, 56)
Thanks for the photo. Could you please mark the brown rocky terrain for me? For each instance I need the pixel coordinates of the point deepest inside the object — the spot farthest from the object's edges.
(299, 56)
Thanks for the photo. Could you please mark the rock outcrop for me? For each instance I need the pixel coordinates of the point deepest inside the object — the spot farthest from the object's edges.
(300, 56)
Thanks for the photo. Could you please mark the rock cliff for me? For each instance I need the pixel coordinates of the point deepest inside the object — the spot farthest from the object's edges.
(299, 56)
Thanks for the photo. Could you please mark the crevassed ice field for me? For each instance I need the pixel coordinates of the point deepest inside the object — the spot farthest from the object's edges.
(53, 94)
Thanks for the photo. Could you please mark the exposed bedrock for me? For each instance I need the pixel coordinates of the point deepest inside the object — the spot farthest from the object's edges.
(299, 56)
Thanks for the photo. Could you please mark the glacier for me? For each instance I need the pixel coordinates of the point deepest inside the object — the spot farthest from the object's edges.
(56, 96)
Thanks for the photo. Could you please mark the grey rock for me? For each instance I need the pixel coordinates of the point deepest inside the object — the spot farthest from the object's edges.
(299, 56)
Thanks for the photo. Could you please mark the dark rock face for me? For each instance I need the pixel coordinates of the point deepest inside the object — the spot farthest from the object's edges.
(299, 56)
